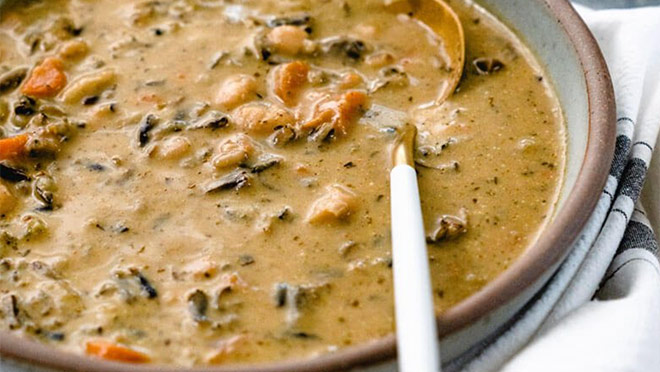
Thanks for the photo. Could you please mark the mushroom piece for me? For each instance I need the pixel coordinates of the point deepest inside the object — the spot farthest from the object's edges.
(293, 20)
(235, 180)
(12, 79)
(146, 125)
(130, 283)
(283, 135)
(198, 304)
(344, 46)
(486, 66)
(296, 298)
(448, 227)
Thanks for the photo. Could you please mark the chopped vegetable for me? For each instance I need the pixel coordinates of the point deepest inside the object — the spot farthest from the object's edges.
(25, 106)
(88, 85)
(146, 125)
(338, 203)
(233, 151)
(486, 66)
(287, 39)
(344, 46)
(236, 90)
(42, 192)
(111, 351)
(172, 148)
(198, 304)
(245, 260)
(211, 120)
(283, 135)
(235, 180)
(448, 227)
(46, 80)
(260, 118)
(293, 20)
(12, 147)
(289, 79)
(263, 162)
(146, 286)
(339, 114)
(9, 310)
(11, 174)
(12, 79)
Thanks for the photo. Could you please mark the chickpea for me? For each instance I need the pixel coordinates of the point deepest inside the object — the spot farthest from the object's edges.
(257, 118)
(287, 39)
(233, 151)
(172, 148)
(338, 203)
(350, 80)
(236, 90)
(73, 49)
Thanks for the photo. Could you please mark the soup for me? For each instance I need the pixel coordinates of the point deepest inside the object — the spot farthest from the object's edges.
(193, 182)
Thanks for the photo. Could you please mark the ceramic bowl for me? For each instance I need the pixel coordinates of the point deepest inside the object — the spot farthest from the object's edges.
(573, 61)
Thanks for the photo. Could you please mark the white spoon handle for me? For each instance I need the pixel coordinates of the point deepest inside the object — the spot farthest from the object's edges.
(417, 337)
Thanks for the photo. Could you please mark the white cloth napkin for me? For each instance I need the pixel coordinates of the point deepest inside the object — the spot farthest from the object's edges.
(601, 311)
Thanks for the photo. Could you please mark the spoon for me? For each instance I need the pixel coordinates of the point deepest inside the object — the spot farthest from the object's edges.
(444, 22)
(417, 336)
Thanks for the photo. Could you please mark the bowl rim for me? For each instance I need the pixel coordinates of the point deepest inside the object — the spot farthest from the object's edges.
(552, 246)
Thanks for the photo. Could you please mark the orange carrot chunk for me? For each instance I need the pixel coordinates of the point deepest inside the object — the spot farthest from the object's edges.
(350, 108)
(12, 146)
(46, 80)
(341, 112)
(108, 350)
(289, 80)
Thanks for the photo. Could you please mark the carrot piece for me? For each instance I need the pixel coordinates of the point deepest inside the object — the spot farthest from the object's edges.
(46, 80)
(342, 112)
(350, 107)
(12, 146)
(323, 117)
(289, 79)
(108, 350)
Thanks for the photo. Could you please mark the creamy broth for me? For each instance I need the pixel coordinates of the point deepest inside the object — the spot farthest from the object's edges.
(191, 181)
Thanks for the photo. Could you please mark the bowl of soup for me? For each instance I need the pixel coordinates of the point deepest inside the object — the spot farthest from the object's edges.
(191, 184)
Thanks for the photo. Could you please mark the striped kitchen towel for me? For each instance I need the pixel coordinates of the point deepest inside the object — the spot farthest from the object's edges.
(601, 310)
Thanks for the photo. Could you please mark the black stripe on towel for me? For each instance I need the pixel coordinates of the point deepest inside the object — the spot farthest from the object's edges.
(640, 211)
(638, 235)
(633, 178)
(643, 144)
(621, 152)
(625, 118)
(624, 214)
